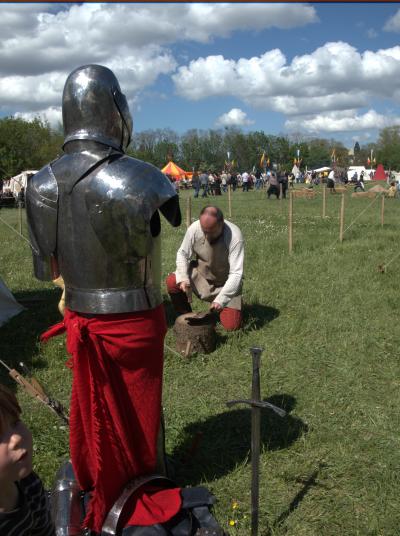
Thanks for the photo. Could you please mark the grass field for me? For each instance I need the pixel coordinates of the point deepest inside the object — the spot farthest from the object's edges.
(327, 319)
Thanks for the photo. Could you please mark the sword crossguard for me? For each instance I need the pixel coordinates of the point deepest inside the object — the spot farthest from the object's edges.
(258, 404)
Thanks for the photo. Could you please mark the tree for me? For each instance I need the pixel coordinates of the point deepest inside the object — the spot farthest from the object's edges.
(319, 153)
(357, 156)
(388, 147)
(26, 145)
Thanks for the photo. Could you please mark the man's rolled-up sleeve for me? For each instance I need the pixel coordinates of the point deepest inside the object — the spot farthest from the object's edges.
(184, 255)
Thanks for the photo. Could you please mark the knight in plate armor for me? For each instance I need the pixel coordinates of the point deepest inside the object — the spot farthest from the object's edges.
(94, 219)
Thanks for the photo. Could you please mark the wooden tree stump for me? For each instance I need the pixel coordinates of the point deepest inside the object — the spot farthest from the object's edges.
(191, 339)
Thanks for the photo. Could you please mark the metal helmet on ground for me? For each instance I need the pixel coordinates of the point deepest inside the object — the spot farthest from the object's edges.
(94, 108)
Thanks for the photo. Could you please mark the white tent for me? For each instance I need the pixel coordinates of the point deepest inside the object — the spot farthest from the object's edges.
(322, 169)
(367, 172)
(16, 183)
(9, 307)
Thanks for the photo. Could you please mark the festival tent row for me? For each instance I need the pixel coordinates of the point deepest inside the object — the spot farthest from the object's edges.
(16, 183)
(174, 171)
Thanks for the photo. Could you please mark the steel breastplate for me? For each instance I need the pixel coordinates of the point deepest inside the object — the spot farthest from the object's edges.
(96, 212)
(105, 249)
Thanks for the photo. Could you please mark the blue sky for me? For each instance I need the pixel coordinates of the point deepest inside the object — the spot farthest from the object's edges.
(326, 70)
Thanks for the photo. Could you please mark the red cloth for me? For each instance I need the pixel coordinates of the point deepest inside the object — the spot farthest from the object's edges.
(231, 319)
(117, 363)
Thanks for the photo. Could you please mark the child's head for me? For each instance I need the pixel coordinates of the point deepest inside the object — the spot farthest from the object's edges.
(15, 439)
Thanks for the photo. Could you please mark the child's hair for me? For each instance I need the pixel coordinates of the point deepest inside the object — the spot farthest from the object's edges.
(9, 407)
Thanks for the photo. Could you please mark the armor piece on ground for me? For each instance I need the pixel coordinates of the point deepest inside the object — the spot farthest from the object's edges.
(95, 210)
(68, 505)
(194, 337)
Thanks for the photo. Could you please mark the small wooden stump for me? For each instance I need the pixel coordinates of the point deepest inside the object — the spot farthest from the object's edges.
(191, 339)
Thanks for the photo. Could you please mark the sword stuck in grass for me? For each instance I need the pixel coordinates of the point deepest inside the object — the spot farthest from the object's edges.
(256, 405)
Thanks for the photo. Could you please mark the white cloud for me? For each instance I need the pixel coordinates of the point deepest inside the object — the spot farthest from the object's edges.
(234, 118)
(321, 85)
(203, 21)
(333, 76)
(342, 122)
(291, 105)
(42, 43)
(393, 24)
(45, 39)
(52, 114)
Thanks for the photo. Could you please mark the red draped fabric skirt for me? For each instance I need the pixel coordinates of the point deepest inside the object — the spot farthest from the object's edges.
(117, 365)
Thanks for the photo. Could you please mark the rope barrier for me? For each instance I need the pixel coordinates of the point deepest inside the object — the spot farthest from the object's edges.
(384, 266)
(15, 231)
(355, 219)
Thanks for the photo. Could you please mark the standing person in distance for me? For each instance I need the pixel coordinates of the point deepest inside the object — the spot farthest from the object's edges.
(331, 181)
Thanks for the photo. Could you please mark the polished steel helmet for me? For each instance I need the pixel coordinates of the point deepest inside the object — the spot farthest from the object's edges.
(94, 108)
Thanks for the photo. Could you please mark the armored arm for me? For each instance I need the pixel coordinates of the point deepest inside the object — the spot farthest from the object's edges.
(41, 207)
(171, 211)
(124, 201)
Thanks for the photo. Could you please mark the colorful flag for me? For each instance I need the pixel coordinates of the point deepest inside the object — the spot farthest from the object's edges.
(368, 161)
(262, 159)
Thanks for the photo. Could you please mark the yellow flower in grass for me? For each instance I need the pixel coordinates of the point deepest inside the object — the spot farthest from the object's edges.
(232, 522)
(235, 505)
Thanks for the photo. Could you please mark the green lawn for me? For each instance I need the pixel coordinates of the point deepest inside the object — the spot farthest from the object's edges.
(327, 319)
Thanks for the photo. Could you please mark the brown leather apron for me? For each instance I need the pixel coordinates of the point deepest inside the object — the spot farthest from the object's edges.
(209, 272)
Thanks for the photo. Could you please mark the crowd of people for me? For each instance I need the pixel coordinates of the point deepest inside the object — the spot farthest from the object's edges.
(275, 183)
(207, 183)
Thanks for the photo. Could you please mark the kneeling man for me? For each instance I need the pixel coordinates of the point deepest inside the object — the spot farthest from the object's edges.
(209, 263)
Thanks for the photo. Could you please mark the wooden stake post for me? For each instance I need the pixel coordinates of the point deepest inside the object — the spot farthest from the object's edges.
(20, 217)
(290, 223)
(341, 232)
(230, 201)
(189, 212)
(383, 210)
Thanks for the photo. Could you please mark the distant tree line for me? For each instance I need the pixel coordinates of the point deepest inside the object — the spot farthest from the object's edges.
(26, 145)
(31, 144)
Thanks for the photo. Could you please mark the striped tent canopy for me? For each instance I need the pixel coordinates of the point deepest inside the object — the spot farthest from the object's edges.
(174, 171)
